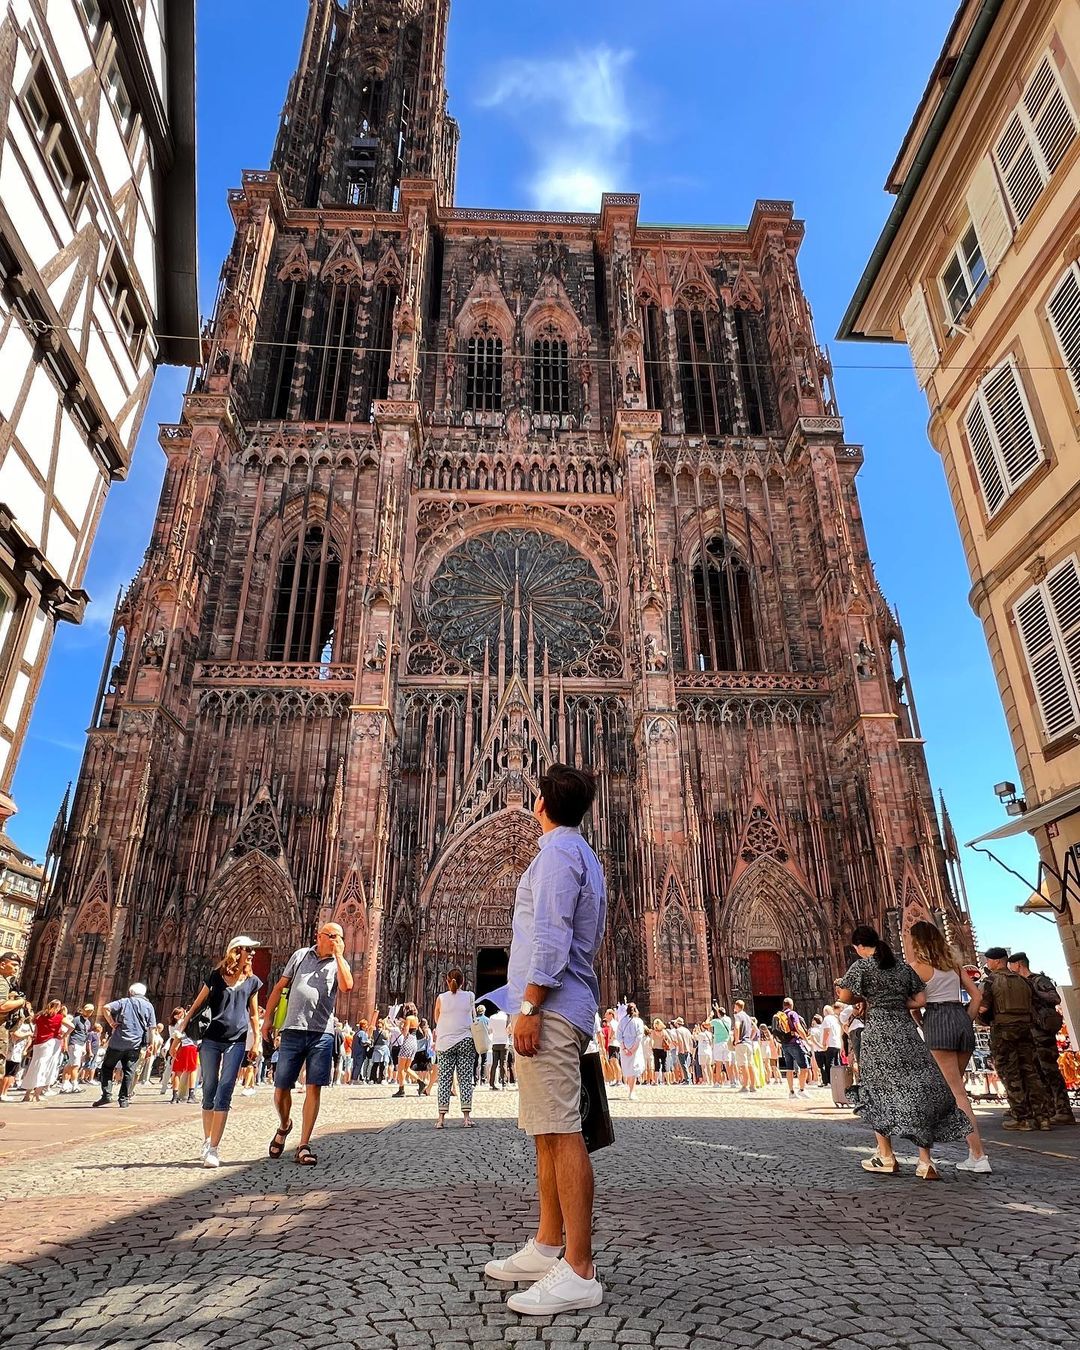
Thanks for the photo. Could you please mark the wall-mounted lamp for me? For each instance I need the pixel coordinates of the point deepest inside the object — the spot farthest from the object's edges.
(1006, 794)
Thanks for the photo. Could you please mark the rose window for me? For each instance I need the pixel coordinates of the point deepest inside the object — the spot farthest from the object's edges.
(515, 580)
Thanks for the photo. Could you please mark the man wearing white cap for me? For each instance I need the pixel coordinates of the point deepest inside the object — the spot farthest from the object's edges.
(130, 1021)
(231, 993)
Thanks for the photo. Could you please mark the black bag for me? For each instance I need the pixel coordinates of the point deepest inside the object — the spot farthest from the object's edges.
(596, 1127)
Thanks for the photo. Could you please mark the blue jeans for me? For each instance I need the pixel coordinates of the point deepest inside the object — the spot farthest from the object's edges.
(220, 1063)
(313, 1050)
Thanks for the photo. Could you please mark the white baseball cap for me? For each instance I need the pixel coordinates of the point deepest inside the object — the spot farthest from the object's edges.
(242, 942)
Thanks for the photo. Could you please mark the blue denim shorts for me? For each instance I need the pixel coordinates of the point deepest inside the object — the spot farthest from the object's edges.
(794, 1057)
(299, 1049)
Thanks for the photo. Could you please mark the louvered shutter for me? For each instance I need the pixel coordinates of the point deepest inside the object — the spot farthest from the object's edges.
(1011, 422)
(1054, 689)
(1063, 309)
(920, 336)
(1020, 169)
(1052, 118)
(985, 457)
(988, 214)
(1063, 587)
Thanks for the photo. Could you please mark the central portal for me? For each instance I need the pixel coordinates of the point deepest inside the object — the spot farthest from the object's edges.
(491, 966)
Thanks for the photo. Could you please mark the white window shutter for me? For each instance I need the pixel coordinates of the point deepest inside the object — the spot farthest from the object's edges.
(1021, 171)
(988, 214)
(1011, 422)
(920, 336)
(1052, 117)
(1063, 311)
(1063, 588)
(982, 451)
(1054, 689)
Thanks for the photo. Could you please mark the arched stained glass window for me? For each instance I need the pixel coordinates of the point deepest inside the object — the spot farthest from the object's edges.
(305, 602)
(725, 635)
(551, 375)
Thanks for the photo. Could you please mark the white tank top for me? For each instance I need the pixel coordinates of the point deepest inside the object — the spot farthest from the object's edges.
(943, 987)
(455, 1019)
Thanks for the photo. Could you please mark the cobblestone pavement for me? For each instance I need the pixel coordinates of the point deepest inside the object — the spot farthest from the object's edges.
(721, 1221)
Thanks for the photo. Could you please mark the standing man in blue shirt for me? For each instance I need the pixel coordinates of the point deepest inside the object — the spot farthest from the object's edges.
(552, 994)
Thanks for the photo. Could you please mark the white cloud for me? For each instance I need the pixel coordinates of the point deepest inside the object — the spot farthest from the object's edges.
(577, 115)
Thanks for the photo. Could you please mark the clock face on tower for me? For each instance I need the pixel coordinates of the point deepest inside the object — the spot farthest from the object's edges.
(516, 575)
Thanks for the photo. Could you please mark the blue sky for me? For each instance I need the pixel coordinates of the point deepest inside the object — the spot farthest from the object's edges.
(701, 107)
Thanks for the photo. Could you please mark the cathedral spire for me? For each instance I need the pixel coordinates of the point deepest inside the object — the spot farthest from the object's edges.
(367, 105)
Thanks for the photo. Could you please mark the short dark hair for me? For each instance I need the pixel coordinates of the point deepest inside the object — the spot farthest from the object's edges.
(1020, 958)
(567, 792)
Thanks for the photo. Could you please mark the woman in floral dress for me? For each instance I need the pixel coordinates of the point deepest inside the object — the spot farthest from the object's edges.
(901, 1091)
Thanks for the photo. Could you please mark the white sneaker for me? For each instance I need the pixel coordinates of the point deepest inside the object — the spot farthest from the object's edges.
(561, 1290)
(523, 1267)
(247, 1092)
(971, 1164)
(211, 1159)
(802, 1093)
(205, 1148)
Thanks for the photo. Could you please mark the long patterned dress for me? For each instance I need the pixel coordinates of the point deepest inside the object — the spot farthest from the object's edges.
(901, 1091)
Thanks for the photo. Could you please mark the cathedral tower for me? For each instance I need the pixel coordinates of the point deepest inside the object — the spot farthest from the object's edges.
(457, 493)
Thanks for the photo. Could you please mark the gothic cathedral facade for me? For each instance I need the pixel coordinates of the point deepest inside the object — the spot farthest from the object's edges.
(457, 493)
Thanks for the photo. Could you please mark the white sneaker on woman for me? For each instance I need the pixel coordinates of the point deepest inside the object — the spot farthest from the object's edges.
(972, 1164)
(211, 1159)
(523, 1267)
(205, 1148)
(561, 1290)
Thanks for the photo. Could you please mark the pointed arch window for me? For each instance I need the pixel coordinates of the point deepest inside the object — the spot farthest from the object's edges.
(703, 378)
(332, 357)
(382, 339)
(654, 358)
(305, 600)
(283, 355)
(551, 375)
(725, 634)
(484, 373)
(754, 367)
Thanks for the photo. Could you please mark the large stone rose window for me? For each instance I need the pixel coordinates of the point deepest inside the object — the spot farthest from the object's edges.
(475, 589)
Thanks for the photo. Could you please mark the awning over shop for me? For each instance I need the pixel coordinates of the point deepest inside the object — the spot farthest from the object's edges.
(1056, 809)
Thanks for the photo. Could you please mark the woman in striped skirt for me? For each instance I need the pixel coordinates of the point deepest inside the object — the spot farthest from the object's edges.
(454, 1013)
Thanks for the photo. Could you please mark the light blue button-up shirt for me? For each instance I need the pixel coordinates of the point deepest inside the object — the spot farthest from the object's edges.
(559, 915)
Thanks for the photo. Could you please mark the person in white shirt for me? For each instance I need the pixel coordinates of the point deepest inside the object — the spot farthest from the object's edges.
(832, 1035)
(499, 1027)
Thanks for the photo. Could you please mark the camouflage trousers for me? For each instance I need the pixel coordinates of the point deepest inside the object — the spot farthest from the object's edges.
(1014, 1059)
(1046, 1058)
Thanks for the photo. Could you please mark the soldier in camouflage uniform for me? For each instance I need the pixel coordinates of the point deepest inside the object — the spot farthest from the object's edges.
(1046, 1022)
(1007, 1009)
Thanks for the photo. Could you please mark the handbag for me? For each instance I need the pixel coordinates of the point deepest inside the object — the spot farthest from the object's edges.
(596, 1127)
(481, 1036)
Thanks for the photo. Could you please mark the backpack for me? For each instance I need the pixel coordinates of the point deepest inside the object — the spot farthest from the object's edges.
(1045, 1012)
(782, 1024)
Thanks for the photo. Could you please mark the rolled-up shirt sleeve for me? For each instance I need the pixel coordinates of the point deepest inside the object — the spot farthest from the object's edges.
(555, 880)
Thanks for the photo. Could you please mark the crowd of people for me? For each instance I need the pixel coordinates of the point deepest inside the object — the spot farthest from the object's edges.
(229, 1040)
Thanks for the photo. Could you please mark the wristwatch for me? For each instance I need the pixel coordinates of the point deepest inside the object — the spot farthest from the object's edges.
(527, 1009)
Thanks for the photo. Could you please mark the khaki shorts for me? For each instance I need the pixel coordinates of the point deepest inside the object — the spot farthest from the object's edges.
(549, 1082)
(744, 1054)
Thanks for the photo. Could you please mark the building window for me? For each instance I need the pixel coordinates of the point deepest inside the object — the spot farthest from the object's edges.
(654, 359)
(55, 139)
(1035, 139)
(126, 309)
(725, 635)
(288, 332)
(754, 366)
(116, 88)
(551, 376)
(484, 374)
(302, 625)
(333, 356)
(965, 276)
(1063, 310)
(91, 14)
(382, 330)
(706, 410)
(1048, 621)
(1002, 434)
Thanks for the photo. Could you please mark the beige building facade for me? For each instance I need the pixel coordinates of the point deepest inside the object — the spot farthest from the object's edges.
(978, 270)
(20, 890)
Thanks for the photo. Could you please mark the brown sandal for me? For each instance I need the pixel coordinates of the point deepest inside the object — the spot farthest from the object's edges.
(305, 1157)
(277, 1144)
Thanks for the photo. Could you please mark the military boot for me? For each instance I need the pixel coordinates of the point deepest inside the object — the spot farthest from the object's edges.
(1044, 1123)
(1063, 1118)
(1015, 1124)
